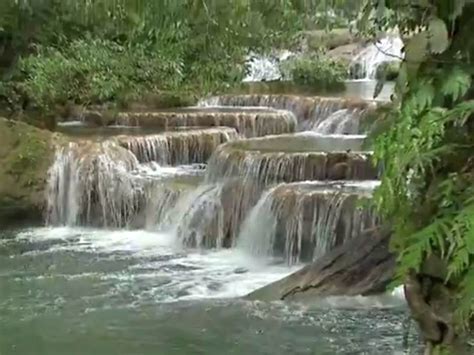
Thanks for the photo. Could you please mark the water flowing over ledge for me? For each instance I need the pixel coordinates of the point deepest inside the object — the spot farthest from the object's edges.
(310, 111)
(305, 220)
(110, 183)
(385, 50)
(248, 121)
(289, 158)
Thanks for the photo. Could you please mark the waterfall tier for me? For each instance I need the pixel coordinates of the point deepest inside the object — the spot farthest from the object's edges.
(309, 110)
(238, 173)
(249, 122)
(385, 50)
(303, 221)
(179, 147)
(122, 182)
(344, 121)
(91, 183)
(290, 158)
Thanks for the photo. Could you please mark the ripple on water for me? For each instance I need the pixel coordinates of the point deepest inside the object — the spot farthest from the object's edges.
(122, 292)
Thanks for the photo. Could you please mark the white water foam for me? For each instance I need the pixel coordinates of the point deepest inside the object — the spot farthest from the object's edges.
(387, 49)
(192, 274)
(265, 67)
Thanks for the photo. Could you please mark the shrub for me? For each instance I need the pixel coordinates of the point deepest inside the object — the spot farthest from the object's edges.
(317, 71)
(93, 72)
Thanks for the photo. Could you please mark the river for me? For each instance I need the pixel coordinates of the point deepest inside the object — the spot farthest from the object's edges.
(85, 291)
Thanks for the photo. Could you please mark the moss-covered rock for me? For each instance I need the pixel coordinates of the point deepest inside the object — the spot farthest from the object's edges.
(26, 153)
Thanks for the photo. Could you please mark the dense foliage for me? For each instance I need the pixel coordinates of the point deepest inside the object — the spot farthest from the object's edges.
(317, 71)
(427, 153)
(91, 51)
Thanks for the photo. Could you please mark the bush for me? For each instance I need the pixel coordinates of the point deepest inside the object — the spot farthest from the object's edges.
(317, 71)
(93, 72)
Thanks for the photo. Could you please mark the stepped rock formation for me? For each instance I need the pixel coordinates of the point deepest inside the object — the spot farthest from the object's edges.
(309, 110)
(290, 158)
(249, 122)
(362, 266)
(191, 146)
(26, 153)
(238, 173)
(125, 181)
(302, 221)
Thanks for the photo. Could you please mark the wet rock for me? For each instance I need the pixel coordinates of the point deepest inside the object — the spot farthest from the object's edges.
(240, 270)
(362, 266)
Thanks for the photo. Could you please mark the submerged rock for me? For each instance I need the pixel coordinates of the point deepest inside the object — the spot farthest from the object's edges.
(26, 153)
(362, 266)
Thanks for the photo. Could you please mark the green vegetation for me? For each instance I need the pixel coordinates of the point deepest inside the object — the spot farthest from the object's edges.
(325, 40)
(25, 156)
(426, 149)
(57, 52)
(317, 71)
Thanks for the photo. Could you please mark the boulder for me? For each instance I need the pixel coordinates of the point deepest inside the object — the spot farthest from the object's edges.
(361, 266)
(26, 153)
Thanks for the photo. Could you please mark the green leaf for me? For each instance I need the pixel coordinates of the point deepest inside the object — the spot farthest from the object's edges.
(456, 83)
(416, 51)
(438, 37)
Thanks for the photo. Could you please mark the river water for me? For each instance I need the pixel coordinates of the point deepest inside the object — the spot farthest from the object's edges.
(84, 291)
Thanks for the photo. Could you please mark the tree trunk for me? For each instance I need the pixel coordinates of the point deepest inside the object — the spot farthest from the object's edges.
(430, 302)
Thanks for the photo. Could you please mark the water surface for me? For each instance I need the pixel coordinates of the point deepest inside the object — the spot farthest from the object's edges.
(84, 291)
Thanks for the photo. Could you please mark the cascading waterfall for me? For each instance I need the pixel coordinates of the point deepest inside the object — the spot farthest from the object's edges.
(303, 221)
(178, 148)
(210, 216)
(248, 121)
(238, 172)
(387, 49)
(265, 67)
(279, 166)
(92, 183)
(309, 111)
(345, 121)
(110, 183)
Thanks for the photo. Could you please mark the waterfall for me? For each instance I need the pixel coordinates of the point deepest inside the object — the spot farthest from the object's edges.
(115, 182)
(210, 216)
(248, 121)
(303, 221)
(177, 148)
(91, 183)
(345, 121)
(387, 49)
(272, 160)
(265, 67)
(309, 111)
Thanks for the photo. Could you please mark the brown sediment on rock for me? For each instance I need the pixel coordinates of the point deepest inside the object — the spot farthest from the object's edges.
(362, 266)
(248, 122)
(26, 153)
(290, 158)
(178, 147)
